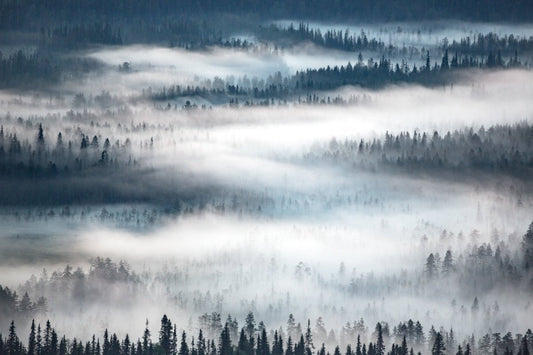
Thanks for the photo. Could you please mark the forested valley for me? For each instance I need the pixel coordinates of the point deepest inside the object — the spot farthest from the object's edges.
(266, 177)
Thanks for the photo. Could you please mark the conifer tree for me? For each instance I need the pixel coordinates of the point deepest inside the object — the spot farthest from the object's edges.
(31, 340)
(242, 346)
(165, 335)
(184, 348)
(438, 346)
(380, 344)
(527, 248)
(225, 347)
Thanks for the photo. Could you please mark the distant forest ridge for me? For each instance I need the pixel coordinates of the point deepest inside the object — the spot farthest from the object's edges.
(17, 14)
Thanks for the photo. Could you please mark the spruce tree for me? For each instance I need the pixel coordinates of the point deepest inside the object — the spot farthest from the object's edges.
(527, 248)
(380, 344)
(184, 348)
(165, 335)
(31, 340)
(242, 346)
(438, 346)
(225, 347)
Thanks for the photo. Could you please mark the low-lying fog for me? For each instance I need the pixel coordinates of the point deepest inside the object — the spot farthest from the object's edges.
(308, 239)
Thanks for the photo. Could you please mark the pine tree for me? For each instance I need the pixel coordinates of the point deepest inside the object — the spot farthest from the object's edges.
(403, 349)
(262, 345)
(242, 346)
(527, 248)
(38, 341)
(447, 264)
(225, 342)
(174, 342)
(277, 348)
(289, 349)
(47, 338)
(40, 136)
(524, 349)
(309, 347)
(445, 62)
(438, 346)
(299, 349)
(431, 267)
(54, 343)
(184, 348)
(291, 327)
(106, 347)
(25, 305)
(380, 345)
(31, 340)
(126, 345)
(201, 343)
(13, 343)
(146, 342)
(165, 335)
(63, 347)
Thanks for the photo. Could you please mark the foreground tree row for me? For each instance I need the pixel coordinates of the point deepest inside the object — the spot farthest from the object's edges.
(252, 340)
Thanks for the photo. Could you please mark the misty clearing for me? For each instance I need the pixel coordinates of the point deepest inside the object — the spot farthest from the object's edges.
(201, 177)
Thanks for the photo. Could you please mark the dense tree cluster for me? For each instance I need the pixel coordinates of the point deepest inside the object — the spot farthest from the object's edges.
(11, 306)
(72, 286)
(369, 74)
(20, 14)
(490, 268)
(482, 44)
(41, 69)
(78, 36)
(406, 338)
(501, 149)
(478, 271)
(334, 39)
(39, 158)
(20, 67)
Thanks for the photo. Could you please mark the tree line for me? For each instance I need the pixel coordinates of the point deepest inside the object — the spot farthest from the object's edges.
(254, 339)
(370, 74)
(40, 158)
(23, 14)
(499, 149)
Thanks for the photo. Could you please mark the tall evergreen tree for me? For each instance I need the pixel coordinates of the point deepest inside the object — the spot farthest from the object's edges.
(524, 348)
(165, 335)
(106, 346)
(184, 348)
(32, 340)
(527, 248)
(242, 346)
(263, 346)
(403, 348)
(13, 346)
(201, 343)
(146, 341)
(380, 344)
(309, 347)
(438, 346)
(63, 347)
(225, 347)
(289, 349)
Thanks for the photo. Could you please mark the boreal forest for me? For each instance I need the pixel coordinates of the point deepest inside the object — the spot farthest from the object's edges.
(266, 177)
